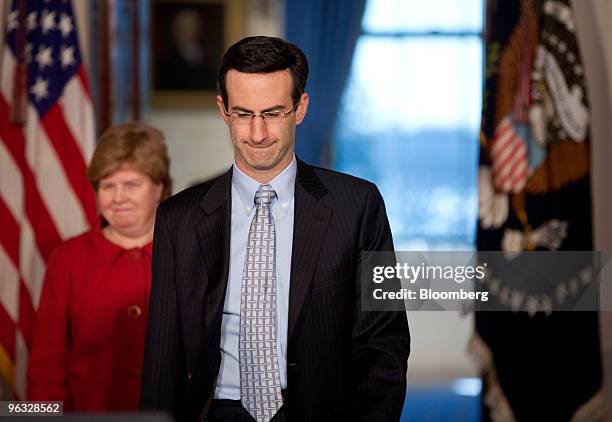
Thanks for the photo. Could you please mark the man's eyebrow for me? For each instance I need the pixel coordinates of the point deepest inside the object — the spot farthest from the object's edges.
(238, 108)
(246, 110)
(274, 108)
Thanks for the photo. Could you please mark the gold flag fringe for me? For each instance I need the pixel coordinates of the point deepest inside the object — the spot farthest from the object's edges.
(496, 401)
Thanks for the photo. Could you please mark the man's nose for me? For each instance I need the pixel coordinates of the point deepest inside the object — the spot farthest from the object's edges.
(259, 130)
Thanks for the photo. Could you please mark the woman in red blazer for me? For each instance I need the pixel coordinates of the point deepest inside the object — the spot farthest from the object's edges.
(90, 329)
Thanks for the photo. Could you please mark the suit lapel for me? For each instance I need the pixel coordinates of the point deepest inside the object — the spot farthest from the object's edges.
(311, 218)
(206, 298)
(213, 229)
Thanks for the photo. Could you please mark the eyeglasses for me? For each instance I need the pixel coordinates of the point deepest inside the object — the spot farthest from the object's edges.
(244, 118)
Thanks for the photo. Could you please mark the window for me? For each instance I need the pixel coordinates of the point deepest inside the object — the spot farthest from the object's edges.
(410, 116)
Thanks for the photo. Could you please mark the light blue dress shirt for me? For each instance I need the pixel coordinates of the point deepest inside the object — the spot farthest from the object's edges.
(243, 210)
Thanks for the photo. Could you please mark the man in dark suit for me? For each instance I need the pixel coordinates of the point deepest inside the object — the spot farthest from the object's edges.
(255, 309)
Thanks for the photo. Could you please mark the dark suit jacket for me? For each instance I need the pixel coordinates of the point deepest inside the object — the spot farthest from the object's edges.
(342, 363)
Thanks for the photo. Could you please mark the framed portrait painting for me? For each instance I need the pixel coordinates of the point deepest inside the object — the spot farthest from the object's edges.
(188, 39)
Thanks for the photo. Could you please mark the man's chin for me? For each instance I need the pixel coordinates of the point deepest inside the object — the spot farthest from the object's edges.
(262, 163)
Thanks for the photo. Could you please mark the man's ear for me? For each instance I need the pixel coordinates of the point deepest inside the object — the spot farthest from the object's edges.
(221, 108)
(302, 108)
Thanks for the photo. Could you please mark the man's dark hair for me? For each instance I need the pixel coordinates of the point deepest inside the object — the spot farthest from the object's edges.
(264, 55)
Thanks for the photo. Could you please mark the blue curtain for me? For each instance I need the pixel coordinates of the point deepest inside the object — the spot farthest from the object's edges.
(327, 31)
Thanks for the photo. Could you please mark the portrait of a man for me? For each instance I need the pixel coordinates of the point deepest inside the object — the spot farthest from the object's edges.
(187, 46)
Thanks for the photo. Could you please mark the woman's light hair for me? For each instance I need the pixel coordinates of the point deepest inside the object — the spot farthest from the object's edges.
(131, 146)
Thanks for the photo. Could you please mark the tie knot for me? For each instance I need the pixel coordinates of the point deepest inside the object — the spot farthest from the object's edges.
(264, 195)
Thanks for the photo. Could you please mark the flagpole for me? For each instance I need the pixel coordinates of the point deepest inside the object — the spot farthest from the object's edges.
(104, 70)
(20, 94)
(135, 59)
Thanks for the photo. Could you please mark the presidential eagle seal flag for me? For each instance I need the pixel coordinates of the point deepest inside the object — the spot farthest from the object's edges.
(535, 196)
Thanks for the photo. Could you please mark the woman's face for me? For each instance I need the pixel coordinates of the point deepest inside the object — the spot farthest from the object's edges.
(127, 200)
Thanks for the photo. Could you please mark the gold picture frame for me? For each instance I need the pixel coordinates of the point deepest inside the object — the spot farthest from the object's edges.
(188, 39)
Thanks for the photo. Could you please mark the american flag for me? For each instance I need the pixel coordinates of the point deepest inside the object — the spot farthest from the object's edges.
(509, 158)
(46, 139)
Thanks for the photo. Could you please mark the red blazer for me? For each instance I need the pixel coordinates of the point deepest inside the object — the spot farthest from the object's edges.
(90, 328)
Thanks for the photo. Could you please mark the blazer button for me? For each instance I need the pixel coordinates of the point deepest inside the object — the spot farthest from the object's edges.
(134, 311)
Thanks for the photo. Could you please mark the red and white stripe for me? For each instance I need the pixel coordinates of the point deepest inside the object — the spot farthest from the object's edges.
(44, 199)
(508, 158)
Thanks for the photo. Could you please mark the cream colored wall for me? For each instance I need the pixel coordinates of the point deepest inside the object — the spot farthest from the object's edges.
(438, 349)
(198, 144)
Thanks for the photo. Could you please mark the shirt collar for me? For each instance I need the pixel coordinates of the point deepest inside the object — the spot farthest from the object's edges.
(283, 183)
(108, 252)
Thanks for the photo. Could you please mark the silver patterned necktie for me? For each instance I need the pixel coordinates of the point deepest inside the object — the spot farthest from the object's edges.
(260, 390)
